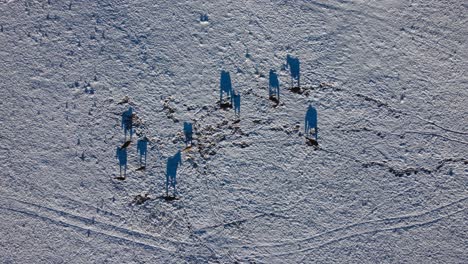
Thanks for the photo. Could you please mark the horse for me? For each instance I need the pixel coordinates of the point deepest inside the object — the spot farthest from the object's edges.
(127, 121)
(273, 87)
(294, 68)
(142, 148)
(311, 122)
(122, 156)
(225, 85)
(188, 131)
(171, 171)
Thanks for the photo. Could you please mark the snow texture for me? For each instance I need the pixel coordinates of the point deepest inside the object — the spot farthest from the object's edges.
(387, 182)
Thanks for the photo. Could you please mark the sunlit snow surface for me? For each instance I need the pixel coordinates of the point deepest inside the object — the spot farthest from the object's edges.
(387, 183)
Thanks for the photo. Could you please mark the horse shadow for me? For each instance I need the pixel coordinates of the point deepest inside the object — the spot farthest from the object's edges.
(142, 149)
(273, 87)
(171, 171)
(225, 88)
(236, 100)
(293, 64)
(121, 155)
(127, 122)
(188, 132)
(310, 127)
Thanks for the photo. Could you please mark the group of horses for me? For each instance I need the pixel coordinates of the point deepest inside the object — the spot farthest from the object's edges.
(293, 64)
(176, 160)
(142, 143)
(121, 154)
(142, 149)
(233, 99)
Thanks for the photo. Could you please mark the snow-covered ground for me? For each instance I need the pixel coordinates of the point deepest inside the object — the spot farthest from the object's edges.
(387, 184)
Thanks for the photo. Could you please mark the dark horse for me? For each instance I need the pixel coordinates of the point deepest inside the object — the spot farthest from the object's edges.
(171, 171)
(311, 122)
